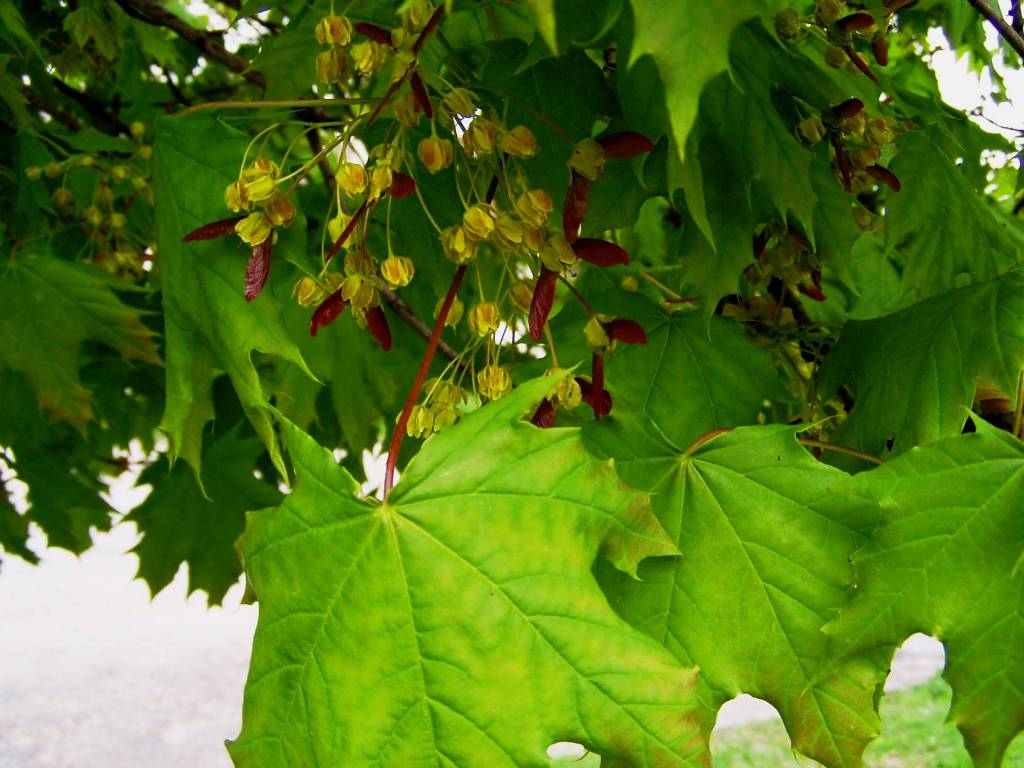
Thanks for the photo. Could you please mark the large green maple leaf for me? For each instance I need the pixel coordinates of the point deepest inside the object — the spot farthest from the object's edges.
(51, 306)
(459, 623)
(179, 524)
(947, 561)
(210, 328)
(764, 542)
(913, 373)
(947, 232)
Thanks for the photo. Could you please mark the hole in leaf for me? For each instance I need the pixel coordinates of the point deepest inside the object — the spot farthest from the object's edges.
(745, 709)
(918, 660)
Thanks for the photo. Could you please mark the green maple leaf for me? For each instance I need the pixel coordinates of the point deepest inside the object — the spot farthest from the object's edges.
(14, 530)
(948, 234)
(689, 42)
(913, 373)
(210, 328)
(178, 524)
(459, 622)
(765, 548)
(947, 561)
(51, 307)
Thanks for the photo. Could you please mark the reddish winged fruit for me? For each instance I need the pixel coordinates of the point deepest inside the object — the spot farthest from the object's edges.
(257, 269)
(327, 312)
(543, 298)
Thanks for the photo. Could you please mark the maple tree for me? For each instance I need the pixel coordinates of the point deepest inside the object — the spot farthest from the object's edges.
(693, 335)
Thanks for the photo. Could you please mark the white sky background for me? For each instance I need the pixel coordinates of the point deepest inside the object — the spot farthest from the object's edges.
(94, 673)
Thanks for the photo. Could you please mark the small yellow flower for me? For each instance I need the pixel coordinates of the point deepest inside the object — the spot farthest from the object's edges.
(444, 416)
(138, 129)
(416, 14)
(332, 66)
(494, 382)
(629, 283)
(484, 318)
(352, 178)
(92, 215)
(259, 180)
(381, 178)
(53, 170)
(139, 183)
(369, 56)
(145, 151)
(521, 296)
(333, 30)
(460, 101)
(120, 172)
(830, 11)
(307, 292)
(118, 221)
(588, 159)
(508, 233)
(519, 142)
(811, 129)
(835, 57)
(534, 206)
(879, 131)
(478, 221)
(454, 312)
(359, 291)
(254, 228)
(421, 422)
(556, 254)
(458, 246)
(337, 225)
(279, 210)
(480, 137)
(435, 154)
(235, 197)
(406, 109)
(33, 172)
(567, 392)
(104, 195)
(398, 271)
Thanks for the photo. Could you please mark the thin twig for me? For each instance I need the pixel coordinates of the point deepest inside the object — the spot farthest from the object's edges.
(272, 104)
(400, 308)
(57, 113)
(812, 443)
(152, 13)
(1006, 31)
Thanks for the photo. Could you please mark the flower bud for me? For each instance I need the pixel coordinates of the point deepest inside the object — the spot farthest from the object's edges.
(853, 125)
(493, 381)
(337, 225)
(279, 210)
(534, 206)
(596, 335)
(352, 178)
(406, 109)
(811, 129)
(144, 151)
(92, 215)
(359, 291)
(878, 131)
(435, 154)
(455, 311)
(478, 221)
(421, 422)
(588, 159)
(235, 197)
(508, 233)
(138, 129)
(333, 30)
(381, 178)
(458, 246)
(484, 318)
(864, 157)
(533, 239)
(332, 66)
(120, 172)
(254, 228)
(835, 57)
(519, 142)
(521, 295)
(787, 24)
(118, 221)
(460, 101)
(104, 195)
(61, 197)
(53, 170)
(33, 172)
(556, 254)
(307, 292)
(480, 137)
(629, 283)
(369, 56)
(444, 416)
(830, 11)
(416, 14)
(397, 270)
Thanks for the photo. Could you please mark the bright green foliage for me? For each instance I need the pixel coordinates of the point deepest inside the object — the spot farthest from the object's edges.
(210, 327)
(913, 373)
(178, 524)
(945, 245)
(946, 561)
(459, 621)
(51, 307)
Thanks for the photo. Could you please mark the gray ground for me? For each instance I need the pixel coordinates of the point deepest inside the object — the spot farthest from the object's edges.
(94, 674)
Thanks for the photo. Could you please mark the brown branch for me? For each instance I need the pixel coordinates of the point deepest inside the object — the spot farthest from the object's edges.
(150, 12)
(400, 308)
(97, 111)
(60, 115)
(1006, 31)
